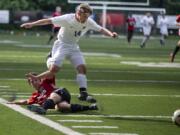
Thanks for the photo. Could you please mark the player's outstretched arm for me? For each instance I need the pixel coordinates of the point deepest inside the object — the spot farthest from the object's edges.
(108, 33)
(36, 23)
(20, 102)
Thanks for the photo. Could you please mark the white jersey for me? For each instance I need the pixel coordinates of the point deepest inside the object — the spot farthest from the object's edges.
(163, 24)
(71, 30)
(147, 23)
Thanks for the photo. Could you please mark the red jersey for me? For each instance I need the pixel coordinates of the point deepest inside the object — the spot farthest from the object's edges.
(178, 19)
(38, 97)
(131, 23)
(54, 15)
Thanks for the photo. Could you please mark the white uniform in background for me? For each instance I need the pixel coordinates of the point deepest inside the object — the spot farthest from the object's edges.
(147, 23)
(163, 24)
(66, 45)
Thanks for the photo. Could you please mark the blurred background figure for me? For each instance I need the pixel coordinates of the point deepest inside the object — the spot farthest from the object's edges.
(55, 28)
(163, 25)
(176, 49)
(131, 22)
(147, 23)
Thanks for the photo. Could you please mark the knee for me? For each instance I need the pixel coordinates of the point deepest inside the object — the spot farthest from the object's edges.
(63, 106)
(81, 69)
(54, 69)
(178, 44)
(55, 97)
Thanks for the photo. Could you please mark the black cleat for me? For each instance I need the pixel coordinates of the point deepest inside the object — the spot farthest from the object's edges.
(172, 57)
(162, 42)
(89, 99)
(142, 45)
(93, 107)
(49, 55)
(36, 108)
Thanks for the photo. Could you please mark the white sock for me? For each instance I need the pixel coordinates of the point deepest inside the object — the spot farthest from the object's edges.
(162, 38)
(81, 80)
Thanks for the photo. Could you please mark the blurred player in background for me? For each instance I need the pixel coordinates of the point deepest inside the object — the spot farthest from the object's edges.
(60, 100)
(55, 28)
(176, 49)
(43, 89)
(73, 26)
(131, 22)
(163, 24)
(147, 22)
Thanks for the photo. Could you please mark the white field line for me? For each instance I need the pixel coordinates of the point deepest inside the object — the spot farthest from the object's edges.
(123, 81)
(92, 54)
(152, 64)
(10, 42)
(104, 94)
(101, 127)
(40, 119)
(114, 116)
(95, 71)
(33, 46)
(1, 86)
(81, 121)
(112, 134)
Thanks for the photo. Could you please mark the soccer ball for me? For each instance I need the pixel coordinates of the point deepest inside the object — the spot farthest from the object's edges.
(176, 117)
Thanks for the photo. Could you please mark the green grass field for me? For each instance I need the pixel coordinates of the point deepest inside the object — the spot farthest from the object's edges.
(137, 89)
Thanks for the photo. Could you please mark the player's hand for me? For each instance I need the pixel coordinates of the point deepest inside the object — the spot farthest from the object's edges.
(114, 35)
(31, 78)
(26, 25)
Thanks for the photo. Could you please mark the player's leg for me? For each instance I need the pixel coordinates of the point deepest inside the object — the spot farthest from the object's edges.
(50, 103)
(79, 63)
(145, 39)
(51, 36)
(173, 54)
(162, 38)
(130, 34)
(66, 107)
(56, 58)
(82, 81)
(55, 30)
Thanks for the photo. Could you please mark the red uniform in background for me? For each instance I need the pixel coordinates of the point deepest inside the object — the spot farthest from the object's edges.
(176, 49)
(178, 21)
(39, 96)
(55, 28)
(131, 26)
(56, 13)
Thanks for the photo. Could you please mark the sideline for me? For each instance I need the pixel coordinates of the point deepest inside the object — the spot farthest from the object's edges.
(41, 119)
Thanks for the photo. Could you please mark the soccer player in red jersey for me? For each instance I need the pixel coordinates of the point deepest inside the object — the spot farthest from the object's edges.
(43, 89)
(176, 49)
(130, 27)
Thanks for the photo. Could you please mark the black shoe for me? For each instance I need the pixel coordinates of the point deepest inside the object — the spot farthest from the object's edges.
(172, 57)
(36, 108)
(49, 55)
(89, 99)
(162, 42)
(142, 45)
(93, 107)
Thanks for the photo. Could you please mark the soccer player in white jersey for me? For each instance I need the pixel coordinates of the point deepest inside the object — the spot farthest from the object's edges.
(163, 24)
(73, 26)
(147, 23)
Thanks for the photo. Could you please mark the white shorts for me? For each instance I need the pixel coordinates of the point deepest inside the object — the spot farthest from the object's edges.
(61, 51)
(164, 31)
(146, 31)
